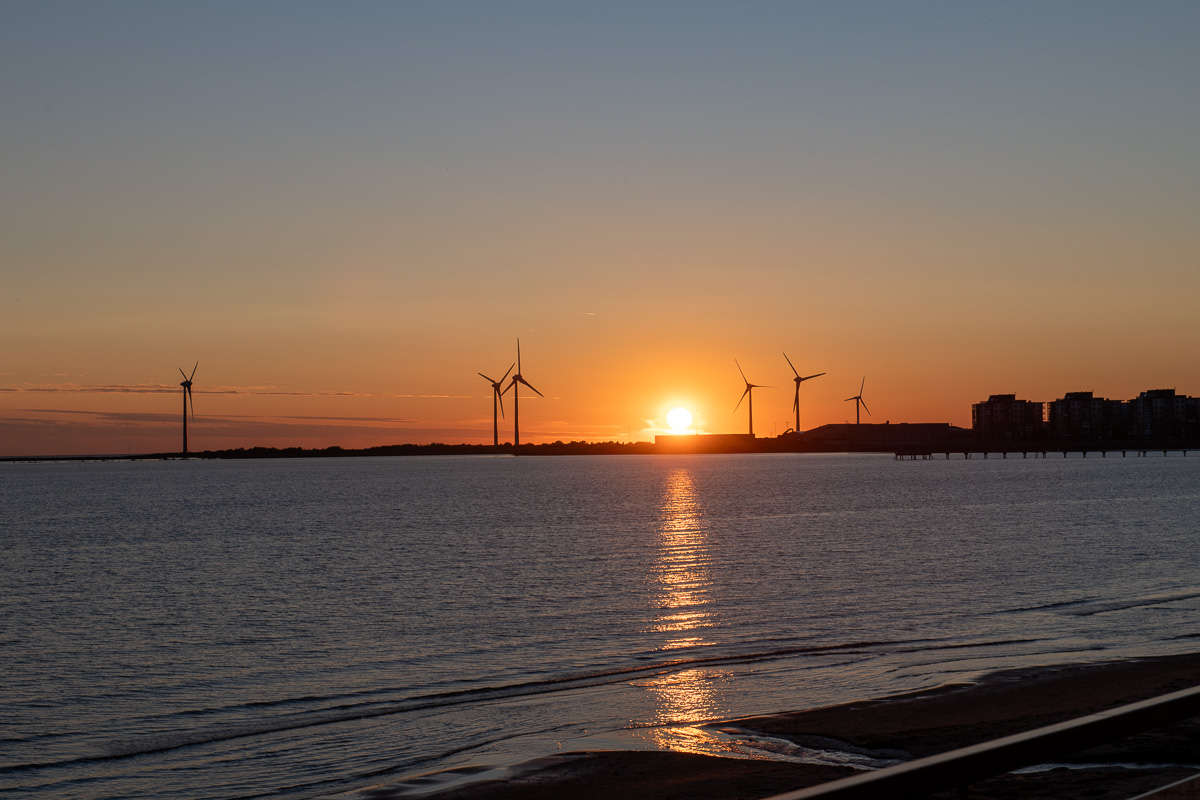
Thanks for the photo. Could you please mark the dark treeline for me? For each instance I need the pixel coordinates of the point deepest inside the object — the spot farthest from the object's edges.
(434, 449)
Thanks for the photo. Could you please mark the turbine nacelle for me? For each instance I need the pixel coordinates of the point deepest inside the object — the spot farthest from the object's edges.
(497, 401)
(188, 402)
(799, 379)
(498, 387)
(187, 388)
(518, 379)
(749, 392)
(749, 386)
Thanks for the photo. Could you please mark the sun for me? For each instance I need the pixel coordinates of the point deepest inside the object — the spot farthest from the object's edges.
(679, 419)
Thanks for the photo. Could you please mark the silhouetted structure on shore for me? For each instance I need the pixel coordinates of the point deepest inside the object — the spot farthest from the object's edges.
(187, 399)
(1155, 418)
(799, 379)
(515, 385)
(860, 405)
(839, 438)
(708, 443)
(749, 393)
(497, 401)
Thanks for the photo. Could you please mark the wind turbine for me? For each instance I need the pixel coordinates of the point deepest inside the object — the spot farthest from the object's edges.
(496, 400)
(799, 380)
(858, 401)
(518, 378)
(749, 391)
(187, 400)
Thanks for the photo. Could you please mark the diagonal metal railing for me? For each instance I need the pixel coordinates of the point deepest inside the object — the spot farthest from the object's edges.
(960, 768)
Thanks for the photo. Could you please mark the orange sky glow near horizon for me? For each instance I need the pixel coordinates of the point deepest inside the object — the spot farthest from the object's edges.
(344, 217)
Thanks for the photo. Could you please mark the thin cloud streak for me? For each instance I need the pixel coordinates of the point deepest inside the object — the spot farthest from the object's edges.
(222, 390)
(173, 418)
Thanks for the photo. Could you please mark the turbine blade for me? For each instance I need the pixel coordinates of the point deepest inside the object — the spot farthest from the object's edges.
(489, 380)
(796, 402)
(192, 402)
(861, 385)
(739, 366)
(791, 365)
(184, 374)
(743, 397)
(510, 369)
(864, 405)
(810, 377)
(518, 355)
(193, 371)
(530, 385)
(500, 397)
(848, 399)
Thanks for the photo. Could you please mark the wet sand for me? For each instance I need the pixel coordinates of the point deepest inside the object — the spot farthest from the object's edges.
(917, 724)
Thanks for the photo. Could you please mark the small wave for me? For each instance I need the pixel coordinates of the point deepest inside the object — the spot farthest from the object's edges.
(821, 750)
(1044, 606)
(457, 777)
(1091, 606)
(968, 645)
(1082, 765)
(1105, 606)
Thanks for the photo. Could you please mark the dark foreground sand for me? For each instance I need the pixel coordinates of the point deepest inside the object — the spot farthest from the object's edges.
(920, 724)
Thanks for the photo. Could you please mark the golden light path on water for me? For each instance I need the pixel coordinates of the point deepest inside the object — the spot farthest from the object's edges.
(682, 580)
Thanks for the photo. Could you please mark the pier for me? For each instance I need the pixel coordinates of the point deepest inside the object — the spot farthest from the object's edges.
(910, 454)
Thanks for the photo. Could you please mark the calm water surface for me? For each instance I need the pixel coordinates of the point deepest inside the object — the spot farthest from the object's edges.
(300, 628)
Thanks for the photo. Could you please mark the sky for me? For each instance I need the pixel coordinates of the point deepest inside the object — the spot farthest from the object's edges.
(346, 211)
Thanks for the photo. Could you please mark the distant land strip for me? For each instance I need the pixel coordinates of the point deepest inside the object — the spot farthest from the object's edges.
(901, 439)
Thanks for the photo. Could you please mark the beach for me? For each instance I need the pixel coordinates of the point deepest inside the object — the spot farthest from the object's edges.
(915, 725)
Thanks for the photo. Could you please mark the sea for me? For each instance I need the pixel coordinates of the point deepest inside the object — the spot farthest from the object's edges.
(302, 628)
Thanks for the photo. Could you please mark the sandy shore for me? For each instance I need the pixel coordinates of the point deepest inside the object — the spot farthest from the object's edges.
(918, 724)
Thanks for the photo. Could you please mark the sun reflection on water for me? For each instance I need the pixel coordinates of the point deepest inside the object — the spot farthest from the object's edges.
(681, 574)
(682, 594)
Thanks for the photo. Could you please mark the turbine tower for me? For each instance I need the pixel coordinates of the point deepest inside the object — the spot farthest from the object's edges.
(516, 379)
(496, 400)
(858, 401)
(187, 400)
(799, 380)
(750, 387)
